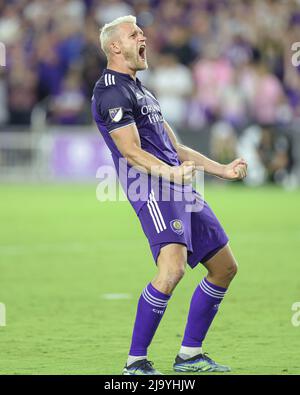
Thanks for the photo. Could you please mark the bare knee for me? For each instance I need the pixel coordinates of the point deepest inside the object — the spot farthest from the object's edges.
(171, 268)
(224, 274)
(222, 267)
(231, 271)
(173, 274)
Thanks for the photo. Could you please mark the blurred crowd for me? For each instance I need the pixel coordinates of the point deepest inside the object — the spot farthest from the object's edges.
(211, 62)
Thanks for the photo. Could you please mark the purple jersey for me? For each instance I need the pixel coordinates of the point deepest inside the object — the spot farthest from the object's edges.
(118, 101)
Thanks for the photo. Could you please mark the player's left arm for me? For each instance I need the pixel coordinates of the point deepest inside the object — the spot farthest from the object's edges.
(235, 170)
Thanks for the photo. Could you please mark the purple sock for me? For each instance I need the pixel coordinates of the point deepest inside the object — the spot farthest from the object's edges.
(151, 307)
(203, 308)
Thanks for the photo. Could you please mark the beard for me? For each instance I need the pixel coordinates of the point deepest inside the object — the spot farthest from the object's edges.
(133, 59)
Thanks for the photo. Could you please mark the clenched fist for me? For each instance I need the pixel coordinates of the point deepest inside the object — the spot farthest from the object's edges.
(184, 173)
(236, 170)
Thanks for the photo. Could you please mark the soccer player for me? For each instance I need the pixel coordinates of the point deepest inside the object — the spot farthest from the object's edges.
(130, 121)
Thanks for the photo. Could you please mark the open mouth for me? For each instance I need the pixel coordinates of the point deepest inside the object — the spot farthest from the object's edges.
(142, 52)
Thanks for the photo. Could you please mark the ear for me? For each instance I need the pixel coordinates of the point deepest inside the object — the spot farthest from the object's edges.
(115, 47)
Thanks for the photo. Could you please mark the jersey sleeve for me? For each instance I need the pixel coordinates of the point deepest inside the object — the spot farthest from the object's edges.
(115, 108)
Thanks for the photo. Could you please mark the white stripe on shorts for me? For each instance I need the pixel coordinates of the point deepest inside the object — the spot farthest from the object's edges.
(152, 197)
(152, 216)
(156, 213)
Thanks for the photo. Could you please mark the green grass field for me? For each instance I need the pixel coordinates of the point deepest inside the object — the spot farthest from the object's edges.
(61, 250)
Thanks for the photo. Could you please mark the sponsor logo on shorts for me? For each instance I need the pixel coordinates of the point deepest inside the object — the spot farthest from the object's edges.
(177, 226)
(116, 114)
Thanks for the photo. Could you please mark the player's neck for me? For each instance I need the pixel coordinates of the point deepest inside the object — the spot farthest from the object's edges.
(121, 69)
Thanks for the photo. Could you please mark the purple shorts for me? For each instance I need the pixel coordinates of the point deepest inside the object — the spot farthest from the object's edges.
(166, 222)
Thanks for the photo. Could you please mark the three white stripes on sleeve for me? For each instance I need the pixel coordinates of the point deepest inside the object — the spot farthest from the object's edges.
(109, 79)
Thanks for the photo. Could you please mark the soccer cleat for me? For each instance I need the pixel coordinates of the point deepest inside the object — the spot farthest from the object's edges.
(139, 368)
(199, 363)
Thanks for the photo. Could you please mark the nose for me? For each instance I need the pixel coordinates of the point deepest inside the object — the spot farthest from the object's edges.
(142, 38)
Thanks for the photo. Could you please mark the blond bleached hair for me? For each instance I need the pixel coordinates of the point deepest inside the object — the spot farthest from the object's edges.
(109, 29)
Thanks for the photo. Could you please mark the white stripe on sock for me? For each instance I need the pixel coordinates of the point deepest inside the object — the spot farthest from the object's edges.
(151, 302)
(155, 298)
(162, 302)
(201, 285)
(212, 289)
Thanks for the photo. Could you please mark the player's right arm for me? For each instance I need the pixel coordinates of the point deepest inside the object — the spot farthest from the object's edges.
(124, 133)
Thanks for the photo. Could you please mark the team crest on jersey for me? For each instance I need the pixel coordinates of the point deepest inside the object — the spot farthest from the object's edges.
(116, 114)
(177, 226)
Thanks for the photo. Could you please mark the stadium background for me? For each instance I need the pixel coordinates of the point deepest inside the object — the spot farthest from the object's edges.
(71, 267)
